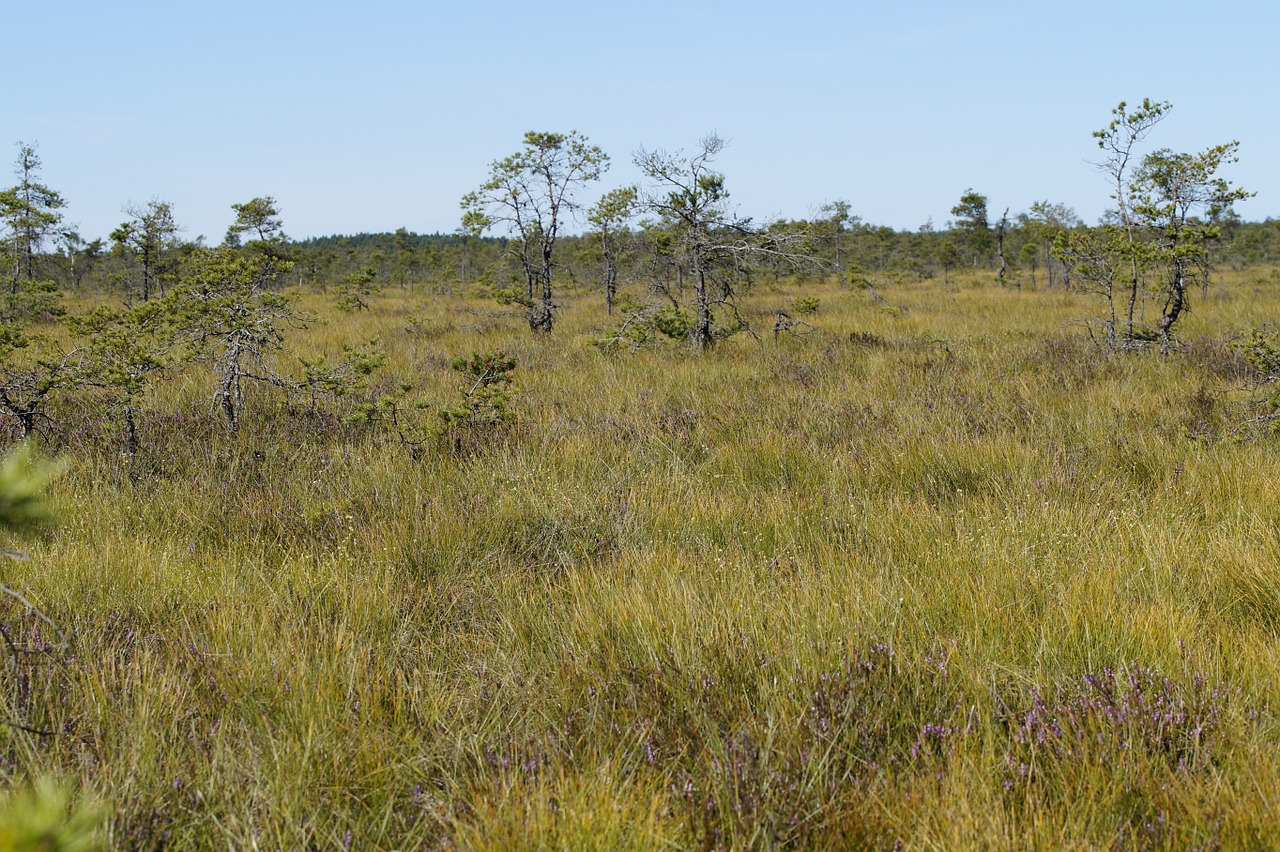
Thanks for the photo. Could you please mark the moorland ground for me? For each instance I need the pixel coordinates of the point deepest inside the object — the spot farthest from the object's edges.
(941, 571)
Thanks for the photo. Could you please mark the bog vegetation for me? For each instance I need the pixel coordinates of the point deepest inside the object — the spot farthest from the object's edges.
(682, 531)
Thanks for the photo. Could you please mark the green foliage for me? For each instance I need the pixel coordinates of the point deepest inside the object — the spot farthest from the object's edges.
(452, 263)
(40, 818)
(944, 577)
(511, 296)
(1169, 193)
(124, 351)
(260, 219)
(646, 324)
(1029, 254)
(148, 240)
(402, 412)
(805, 306)
(610, 216)
(24, 479)
(486, 391)
(1262, 351)
(227, 313)
(734, 324)
(614, 209)
(1130, 126)
(857, 277)
(31, 300)
(692, 199)
(697, 235)
(528, 195)
(29, 213)
(355, 289)
(324, 380)
(123, 348)
(32, 372)
(633, 331)
(468, 425)
(673, 322)
(836, 225)
(1159, 236)
(1040, 228)
(974, 228)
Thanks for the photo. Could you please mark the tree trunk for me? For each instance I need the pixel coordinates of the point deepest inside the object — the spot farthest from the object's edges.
(1174, 304)
(1004, 224)
(610, 283)
(545, 306)
(702, 337)
(1133, 297)
(538, 277)
(130, 432)
(229, 392)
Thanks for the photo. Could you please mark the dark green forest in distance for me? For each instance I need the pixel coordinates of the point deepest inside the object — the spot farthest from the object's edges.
(432, 262)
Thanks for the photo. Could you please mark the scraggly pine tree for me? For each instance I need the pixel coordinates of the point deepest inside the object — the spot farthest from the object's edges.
(29, 213)
(528, 196)
(610, 216)
(147, 241)
(705, 238)
(1160, 233)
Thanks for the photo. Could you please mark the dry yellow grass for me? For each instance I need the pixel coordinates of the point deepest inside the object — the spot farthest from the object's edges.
(941, 572)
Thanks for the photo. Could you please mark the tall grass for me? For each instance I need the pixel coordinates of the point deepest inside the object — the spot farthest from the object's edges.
(941, 573)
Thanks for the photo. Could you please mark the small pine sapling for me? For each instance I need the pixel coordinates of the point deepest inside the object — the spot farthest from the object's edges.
(474, 420)
(355, 290)
(486, 395)
(124, 351)
(805, 306)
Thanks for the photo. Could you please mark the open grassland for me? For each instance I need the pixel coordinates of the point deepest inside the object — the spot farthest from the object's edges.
(941, 573)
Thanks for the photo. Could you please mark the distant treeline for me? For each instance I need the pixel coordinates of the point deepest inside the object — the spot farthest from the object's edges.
(852, 249)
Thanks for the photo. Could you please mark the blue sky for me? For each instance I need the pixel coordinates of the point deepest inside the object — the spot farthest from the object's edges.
(379, 115)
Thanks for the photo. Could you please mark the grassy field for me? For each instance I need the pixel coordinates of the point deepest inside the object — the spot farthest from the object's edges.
(939, 574)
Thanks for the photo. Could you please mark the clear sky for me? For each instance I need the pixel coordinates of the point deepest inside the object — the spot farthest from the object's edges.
(373, 116)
